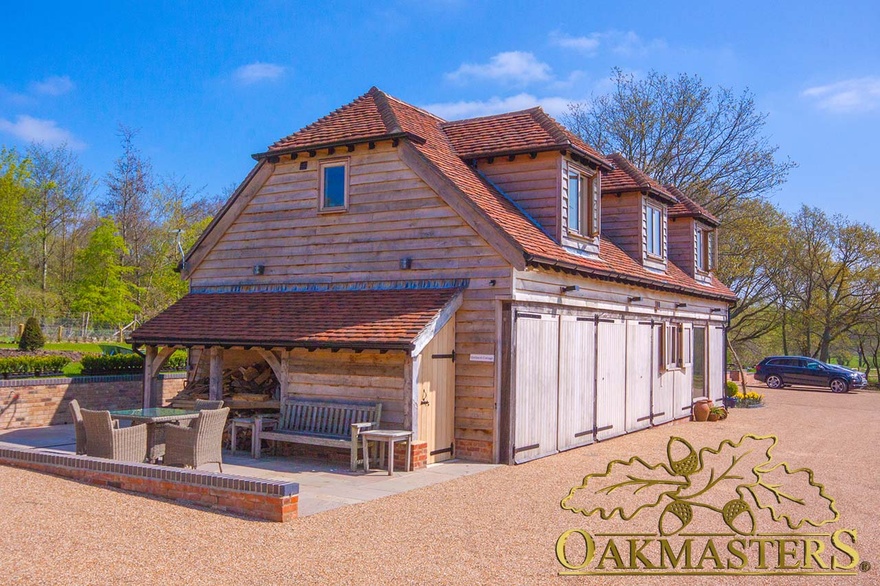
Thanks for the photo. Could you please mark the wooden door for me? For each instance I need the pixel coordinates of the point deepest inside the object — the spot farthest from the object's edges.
(611, 379)
(638, 375)
(715, 375)
(663, 405)
(536, 357)
(577, 381)
(436, 394)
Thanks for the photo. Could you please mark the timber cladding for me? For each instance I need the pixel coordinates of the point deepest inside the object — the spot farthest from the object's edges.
(392, 215)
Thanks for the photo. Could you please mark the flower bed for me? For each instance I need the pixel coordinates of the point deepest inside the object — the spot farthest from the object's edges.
(750, 399)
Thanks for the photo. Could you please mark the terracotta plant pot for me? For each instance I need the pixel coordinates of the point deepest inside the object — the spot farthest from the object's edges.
(701, 409)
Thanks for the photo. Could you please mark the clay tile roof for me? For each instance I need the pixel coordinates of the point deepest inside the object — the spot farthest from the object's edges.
(382, 319)
(366, 118)
(627, 177)
(686, 207)
(525, 131)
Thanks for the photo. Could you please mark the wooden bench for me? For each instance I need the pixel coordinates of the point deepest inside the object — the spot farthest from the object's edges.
(321, 423)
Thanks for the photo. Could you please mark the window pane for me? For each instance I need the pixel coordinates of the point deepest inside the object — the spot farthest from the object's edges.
(334, 187)
(574, 202)
(700, 249)
(650, 226)
(658, 234)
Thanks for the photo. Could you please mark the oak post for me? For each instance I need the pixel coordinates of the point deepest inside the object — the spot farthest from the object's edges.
(215, 383)
(149, 359)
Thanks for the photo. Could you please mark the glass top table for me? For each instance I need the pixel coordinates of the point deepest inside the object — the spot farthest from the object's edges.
(154, 414)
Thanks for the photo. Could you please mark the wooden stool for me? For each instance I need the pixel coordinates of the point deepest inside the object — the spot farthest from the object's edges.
(249, 423)
(387, 437)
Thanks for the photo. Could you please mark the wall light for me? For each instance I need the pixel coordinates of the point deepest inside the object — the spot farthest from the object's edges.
(259, 269)
(406, 263)
(677, 305)
(569, 288)
(633, 299)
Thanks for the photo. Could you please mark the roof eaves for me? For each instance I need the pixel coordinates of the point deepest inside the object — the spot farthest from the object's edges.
(562, 139)
(267, 343)
(338, 143)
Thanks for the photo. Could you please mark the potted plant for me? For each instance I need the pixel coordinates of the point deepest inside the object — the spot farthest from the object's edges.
(717, 413)
(730, 391)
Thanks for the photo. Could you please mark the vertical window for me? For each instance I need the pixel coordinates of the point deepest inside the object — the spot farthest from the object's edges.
(575, 199)
(704, 250)
(334, 185)
(654, 227)
(672, 347)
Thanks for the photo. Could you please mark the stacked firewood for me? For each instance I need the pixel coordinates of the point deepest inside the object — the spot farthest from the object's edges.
(252, 383)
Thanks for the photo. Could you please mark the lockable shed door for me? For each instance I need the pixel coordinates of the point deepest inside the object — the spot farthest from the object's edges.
(537, 362)
(577, 381)
(638, 375)
(611, 383)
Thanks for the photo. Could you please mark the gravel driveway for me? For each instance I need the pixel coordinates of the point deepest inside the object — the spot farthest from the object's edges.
(494, 527)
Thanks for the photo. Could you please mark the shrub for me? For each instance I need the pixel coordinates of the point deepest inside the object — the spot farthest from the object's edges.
(115, 364)
(176, 361)
(46, 364)
(730, 389)
(32, 337)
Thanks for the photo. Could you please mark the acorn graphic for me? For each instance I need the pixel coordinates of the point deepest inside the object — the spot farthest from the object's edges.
(675, 517)
(734, 517)
(686, 465)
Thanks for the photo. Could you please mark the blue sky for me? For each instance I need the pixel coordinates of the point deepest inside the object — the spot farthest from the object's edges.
(208, 84)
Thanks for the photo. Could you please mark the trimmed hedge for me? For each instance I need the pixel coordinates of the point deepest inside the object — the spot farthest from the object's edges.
(32, 364)
(126, 363)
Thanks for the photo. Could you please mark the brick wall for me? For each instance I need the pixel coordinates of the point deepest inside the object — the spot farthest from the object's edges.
(263, 499)
(40, 402)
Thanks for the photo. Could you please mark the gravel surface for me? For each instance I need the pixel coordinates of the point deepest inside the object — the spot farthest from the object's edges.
(494, 527)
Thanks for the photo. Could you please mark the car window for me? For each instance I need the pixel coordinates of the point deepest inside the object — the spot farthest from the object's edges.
(789, 362)
(813, 365)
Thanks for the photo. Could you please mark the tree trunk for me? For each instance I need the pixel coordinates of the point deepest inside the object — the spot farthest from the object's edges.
(739, 366)
(784, 336)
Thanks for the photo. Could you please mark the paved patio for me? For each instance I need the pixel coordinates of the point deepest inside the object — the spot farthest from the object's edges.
(323, 485)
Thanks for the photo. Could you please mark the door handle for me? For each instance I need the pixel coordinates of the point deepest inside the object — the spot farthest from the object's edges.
(424, 400)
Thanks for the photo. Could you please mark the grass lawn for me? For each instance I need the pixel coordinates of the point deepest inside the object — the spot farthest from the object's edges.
(72, 346)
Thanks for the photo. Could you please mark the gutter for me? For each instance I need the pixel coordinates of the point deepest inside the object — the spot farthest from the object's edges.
(286, 344)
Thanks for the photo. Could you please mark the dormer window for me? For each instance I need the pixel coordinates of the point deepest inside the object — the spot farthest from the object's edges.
(583, 203)
(704, 249)
(654, 230)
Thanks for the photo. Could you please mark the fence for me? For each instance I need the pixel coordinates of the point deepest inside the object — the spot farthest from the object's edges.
(72, 328)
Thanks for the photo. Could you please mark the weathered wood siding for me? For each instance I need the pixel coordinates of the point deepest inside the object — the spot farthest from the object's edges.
(682, 244)
(622, 222)
(532, 183)
(392, 214)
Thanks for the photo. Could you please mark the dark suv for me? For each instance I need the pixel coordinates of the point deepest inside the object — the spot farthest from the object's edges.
(784, 371)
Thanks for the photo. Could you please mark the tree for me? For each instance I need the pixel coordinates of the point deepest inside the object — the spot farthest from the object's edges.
(60, 188)
(32, 337)
(100, 287)
(128, 202)
(15, 219)
(832, 282)
(707, 142)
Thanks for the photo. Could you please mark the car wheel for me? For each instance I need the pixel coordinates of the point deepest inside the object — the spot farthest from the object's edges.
(838, 385)
(774, 382)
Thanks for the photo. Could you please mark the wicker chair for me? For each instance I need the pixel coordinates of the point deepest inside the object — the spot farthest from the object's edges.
(78, 426)
(198, 444)
(202, 404)
(128, 444)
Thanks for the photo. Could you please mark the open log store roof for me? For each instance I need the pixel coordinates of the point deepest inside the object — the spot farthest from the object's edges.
(358, 319)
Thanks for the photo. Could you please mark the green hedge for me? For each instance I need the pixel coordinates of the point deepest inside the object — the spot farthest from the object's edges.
(126, 363)
(32, 364)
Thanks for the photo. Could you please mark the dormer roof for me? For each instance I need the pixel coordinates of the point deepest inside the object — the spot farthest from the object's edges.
(688, 208)
(512, 133)
(625, 177)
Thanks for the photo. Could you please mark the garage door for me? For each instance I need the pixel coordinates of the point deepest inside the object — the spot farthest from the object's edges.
(638, 375)
(536, 382)
(610, 383)
(664, 407)
(577, 357)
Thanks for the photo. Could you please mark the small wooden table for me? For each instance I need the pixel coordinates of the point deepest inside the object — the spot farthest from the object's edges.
(387, 437)
(265, 423)
(155, 418)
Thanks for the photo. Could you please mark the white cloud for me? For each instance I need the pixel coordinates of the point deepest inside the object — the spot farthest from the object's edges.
(55, 85)
(257, 72)
(496, 105)
(516, 67)
(40, 130)
(626, 43)
(851, 95)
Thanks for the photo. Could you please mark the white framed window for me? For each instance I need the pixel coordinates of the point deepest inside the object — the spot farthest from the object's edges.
(676, 348)
(704, 250)
(333, 186)
(654, 230)
(583, 203)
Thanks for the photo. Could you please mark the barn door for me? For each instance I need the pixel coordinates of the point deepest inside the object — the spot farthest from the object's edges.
(716, 373)
(663, 405)
(610, 383)
(638, 375)
(436, 390)
(577, 384)
(536, 381)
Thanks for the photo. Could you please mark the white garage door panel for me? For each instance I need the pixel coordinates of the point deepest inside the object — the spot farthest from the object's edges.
(577, 358)
(664, 406)
(537, 359)
(611, 387)
(638, 375)
(715, 373)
